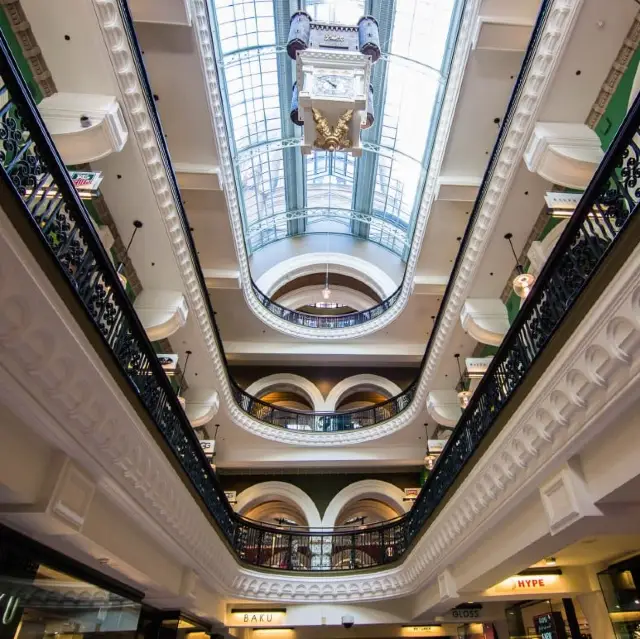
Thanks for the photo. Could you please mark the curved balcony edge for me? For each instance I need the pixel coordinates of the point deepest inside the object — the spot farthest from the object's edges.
(331, 432)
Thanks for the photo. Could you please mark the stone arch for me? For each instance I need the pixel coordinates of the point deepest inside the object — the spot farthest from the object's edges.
(365, 271)
(281, 491)
(340, 294)
(289, 380)
(364, 382)
(365, 489)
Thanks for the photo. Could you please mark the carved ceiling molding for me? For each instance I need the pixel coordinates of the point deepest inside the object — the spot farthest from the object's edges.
(202, 27)
(76, 405)
(618, 69)
(21, 28)
(559, 24)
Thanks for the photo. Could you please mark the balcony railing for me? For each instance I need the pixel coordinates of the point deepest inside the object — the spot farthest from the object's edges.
(37, 181)
(322, 422)
(308, 320)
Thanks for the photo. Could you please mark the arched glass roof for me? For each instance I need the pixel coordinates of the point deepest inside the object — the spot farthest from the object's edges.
(376, 196)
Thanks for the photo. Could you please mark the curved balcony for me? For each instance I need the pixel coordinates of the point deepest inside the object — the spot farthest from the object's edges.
(322, 422)
(53, 215)
(330, 322)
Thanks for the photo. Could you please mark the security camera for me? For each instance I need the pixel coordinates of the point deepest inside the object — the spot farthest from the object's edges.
(348, 621)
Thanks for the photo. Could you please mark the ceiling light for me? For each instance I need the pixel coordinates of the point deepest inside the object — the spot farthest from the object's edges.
(326, 291)
(522, 282)
(550, 561)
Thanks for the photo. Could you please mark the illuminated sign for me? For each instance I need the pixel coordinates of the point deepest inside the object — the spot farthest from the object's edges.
(169, 362)
(257, 618)
(209, 447)
(420, 631)
(530, 584)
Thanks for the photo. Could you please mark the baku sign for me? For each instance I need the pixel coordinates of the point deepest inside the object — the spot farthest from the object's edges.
(257, 618)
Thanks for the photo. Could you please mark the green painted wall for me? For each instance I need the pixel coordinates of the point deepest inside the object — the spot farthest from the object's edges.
(321, 487)
(617, 107)
(16, 50)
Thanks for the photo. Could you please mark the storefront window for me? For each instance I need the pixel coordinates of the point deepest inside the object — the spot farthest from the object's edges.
(545, 619)
(620, 586)
(38, 601)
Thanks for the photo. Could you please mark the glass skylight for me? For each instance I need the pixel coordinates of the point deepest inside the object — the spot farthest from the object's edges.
(376, 196)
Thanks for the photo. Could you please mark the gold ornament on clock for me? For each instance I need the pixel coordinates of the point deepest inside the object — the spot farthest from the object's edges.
(332, 139)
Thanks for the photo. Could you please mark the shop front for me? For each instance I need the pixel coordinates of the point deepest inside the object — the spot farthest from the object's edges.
(620, 585)
(45, 595)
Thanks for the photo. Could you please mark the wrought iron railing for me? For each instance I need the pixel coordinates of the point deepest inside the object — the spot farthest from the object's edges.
(33, 174)
(345, 320)
(322, 422)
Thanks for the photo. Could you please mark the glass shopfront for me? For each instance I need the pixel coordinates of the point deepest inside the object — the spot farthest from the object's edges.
(547, 619)
(620, 585)
(40, 599)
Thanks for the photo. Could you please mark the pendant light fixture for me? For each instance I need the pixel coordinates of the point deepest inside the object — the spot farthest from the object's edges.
(123, 280)
(464, 395)
(429, 459)
(326, 291)
(182, 400)
(215, 446)
(522, 282)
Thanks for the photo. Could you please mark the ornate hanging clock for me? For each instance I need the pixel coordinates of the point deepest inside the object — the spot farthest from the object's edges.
(332, 97)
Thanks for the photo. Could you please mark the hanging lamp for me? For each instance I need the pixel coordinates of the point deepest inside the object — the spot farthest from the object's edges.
(522, 282)
(123, 280)
(464, 395)
(326, 291)
(429, 459)
(182, 400)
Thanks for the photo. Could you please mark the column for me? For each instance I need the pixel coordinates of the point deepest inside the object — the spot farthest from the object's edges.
(595, 610)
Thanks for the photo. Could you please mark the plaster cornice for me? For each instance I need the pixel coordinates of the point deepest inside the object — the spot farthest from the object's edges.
(546, 58)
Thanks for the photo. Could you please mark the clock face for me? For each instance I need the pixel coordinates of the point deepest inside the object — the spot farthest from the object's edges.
(332, 85)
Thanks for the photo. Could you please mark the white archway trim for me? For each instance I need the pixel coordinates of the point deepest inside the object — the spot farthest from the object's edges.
(365, 489)
(343, 263)
(281, 491)
(339, 295)
(162, 313)
(299, 383)
(364, 381)
(106, 131)
(564, 153)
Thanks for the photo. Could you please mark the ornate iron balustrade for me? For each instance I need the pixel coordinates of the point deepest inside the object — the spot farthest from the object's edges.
(299, 549)
(326, 321)
(34, 174)
(320, 422)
